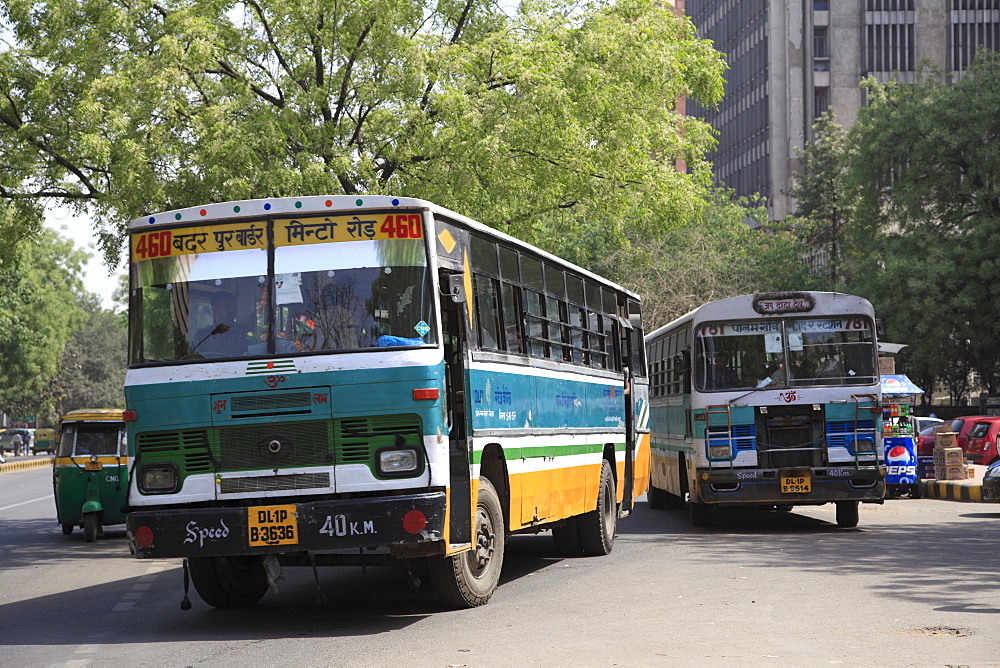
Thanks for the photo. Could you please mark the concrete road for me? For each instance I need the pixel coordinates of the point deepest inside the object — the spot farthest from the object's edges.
(915, 584)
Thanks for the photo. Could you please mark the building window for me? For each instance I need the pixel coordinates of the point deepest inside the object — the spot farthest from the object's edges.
(821, 101)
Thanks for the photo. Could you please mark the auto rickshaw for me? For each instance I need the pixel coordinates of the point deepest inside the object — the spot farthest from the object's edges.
(90, 471)
(45, 441)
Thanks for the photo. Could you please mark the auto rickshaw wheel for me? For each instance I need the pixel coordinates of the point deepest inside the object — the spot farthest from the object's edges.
(67, 528)
(90, 527)
(228, 582)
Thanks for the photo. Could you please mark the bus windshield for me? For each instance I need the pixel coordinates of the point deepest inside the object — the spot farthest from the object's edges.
(315, 297)
(785, 353)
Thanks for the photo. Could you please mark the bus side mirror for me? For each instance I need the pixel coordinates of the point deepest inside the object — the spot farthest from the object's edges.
(456, 288)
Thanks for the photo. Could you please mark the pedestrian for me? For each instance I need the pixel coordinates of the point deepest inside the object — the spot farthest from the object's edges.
(16, 443)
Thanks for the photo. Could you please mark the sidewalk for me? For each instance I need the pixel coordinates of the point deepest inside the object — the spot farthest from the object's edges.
(16, 464)
(956, 490)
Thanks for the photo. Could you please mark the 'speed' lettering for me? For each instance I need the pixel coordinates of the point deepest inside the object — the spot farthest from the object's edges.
(199, 534)
(337, 525)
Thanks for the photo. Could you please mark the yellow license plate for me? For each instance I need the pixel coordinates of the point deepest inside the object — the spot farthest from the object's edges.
(798, 483)
(93, 466)
(272, 525)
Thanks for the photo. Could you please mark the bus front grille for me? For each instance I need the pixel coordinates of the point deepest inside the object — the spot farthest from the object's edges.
(188, 449)
(274, 445)
(275, 483)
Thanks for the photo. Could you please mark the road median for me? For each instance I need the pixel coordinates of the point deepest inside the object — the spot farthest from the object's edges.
(25, 464)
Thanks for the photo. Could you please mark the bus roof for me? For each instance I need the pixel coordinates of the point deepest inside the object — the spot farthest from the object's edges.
(742, 307)
(316, 204)
(94, 415)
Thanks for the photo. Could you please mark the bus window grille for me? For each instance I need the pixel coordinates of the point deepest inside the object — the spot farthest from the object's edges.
(256, 403)
(743, 436)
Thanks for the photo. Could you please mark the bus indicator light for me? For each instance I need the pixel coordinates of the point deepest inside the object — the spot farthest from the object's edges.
(414, 521)
(144, 537)
(129, 416)
(426, 393)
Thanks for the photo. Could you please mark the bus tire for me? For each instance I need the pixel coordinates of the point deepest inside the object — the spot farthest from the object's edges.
(657, 498)
(701, 513)
(597, 528)
(847, 514)
(468, 579)
(67, 528)
(567, 538)
(90, 525)
(228, 582)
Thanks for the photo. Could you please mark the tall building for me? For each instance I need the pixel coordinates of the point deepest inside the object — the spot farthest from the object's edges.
(792, 60)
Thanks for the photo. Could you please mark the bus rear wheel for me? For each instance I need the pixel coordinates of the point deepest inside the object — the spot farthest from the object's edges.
(468, 579)
(847, 514)
(228, 582)
(597, 528)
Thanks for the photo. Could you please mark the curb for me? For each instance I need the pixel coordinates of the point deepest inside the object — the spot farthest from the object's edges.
(26, 464)
(953, 490)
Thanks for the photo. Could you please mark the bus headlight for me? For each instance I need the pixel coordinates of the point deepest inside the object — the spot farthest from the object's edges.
(398, 461)
(719, 452)
(158, 479)
(864, 446)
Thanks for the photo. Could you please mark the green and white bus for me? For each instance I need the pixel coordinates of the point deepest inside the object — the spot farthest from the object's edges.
(771, 400)
(333, 379)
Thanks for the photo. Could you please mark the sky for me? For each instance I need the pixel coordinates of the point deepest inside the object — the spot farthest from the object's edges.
(97, 277)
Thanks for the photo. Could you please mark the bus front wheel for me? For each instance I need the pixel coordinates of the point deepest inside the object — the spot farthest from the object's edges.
(701, 513)
(468, 579)
(847, 514)
(228, 582)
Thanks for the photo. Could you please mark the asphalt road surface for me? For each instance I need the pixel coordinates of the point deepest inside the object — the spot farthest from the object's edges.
(915, 584)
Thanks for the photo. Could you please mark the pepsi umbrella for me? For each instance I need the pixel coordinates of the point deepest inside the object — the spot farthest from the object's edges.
(899, 384)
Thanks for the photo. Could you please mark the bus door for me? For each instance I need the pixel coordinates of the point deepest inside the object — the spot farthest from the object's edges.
(454, 331)
(631, 352)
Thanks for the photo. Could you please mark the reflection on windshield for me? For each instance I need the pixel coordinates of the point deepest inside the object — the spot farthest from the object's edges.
(84, 439)
(773, 353)
(323, 297)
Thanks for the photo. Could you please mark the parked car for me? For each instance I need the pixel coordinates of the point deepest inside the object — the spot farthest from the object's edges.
(982, 447)
(920, 423)
(8, 436)
(991, 484)
(960, 425)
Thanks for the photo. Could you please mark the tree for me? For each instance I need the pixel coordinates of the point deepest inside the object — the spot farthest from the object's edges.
(926, 173)
(92, 366)
(820, 189)
(39, 295)
(713, 255)
(550, 112)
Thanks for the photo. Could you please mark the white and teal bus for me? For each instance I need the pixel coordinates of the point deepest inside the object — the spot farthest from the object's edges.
(770, 400)
(323, 380)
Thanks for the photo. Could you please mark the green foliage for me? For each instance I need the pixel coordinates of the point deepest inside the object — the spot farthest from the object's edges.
(523, 121)
(713, 255)
(926, 177)
(39, 295)
(824, 205)
(92, 366)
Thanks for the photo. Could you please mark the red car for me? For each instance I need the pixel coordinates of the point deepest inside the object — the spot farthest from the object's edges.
(982, 448)
(960, 425)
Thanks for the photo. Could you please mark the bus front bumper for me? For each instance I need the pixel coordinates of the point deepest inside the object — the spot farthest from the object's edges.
(287, 527)
(764, 487)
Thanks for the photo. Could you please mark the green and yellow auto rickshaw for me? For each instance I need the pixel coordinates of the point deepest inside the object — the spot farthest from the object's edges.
(90, 471)
(44, 441)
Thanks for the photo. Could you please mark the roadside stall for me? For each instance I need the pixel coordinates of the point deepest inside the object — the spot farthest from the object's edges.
(899, 440)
